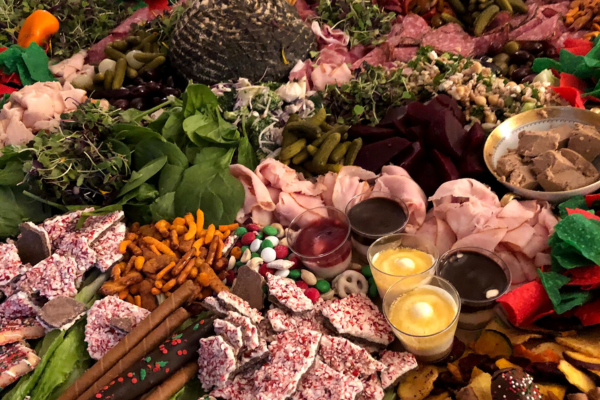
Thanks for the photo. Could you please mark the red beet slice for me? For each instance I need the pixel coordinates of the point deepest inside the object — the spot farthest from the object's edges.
(415, 133)
(476, 136)
(411, 157)
(392, 115)
(446, 134)
(471, 164)
(370, 133)
(416, 114)
(375, 155)
(444, 102)
(426, 176)
(446, 169)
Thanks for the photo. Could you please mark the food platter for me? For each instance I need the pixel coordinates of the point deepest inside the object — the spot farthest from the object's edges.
(505, 137)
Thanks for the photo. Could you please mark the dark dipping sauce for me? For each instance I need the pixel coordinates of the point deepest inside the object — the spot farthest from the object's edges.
(473, 275)
(375, 217)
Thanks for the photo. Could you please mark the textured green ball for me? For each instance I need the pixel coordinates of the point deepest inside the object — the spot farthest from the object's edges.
(323, 286)
(239, 232)
(265, 244)
(366, 271)
(259, 235)
(254, 255)
(373, 291)
(269, 231)
(239, 264)
(295, 274)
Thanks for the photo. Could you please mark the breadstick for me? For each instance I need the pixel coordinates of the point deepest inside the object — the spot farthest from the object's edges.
(212, 250)
(186, 271)
(173, 384)
(183, 261)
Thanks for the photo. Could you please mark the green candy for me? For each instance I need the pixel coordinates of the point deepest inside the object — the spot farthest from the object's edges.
(366, 271)
(265, 244)
(240, 231)
(295, 275)
(259, 235)
(322, 286)
(244, 249)
(239, 264)
(371, 281)
(254, 255)
(373, 291)
(269, 231)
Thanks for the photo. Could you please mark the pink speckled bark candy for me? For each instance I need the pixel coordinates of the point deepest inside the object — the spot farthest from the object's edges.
(214, 305)
(76, 246)
(18, 305)
(313, 320)
(107, 247)
(325, 383)
(396, 365)
(288, 295)
(358, 317)
(96, 226)
(52, 277)
(372, 389)
(240, 388)
(10, 263)
(249, 331)
(99, 334)
(251, 357)
(57, 227)
(216, 362)
(348, 358)
(231, 333)
(233, 303)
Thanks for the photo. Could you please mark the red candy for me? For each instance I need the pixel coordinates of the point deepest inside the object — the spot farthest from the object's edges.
(296, 260)
(264, 269)
(281, 252)
(238, 244)
(230, 277)
(253, 228)
(312, 293)
(302, 285)
(248, 238)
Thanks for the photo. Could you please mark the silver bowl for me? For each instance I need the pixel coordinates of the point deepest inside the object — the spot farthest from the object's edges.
(505, 137)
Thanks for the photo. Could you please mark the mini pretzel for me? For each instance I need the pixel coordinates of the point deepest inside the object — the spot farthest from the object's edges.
(350, 282)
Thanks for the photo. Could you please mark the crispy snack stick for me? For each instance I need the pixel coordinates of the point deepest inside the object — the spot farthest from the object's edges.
(173, 384)
(157, 366)
(115, 354)
(214, 282)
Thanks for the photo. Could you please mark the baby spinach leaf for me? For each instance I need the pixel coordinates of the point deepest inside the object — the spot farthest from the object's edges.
(170, 176)
(246, 154)
(163, 207)
(131, 135)
(146, 193)
(173, 128)
(12, 174)
(211, 128)
(218, 156)
(141, 176)
(151, 149)
(158, 124)
(138, 213)
(198, 98)
(15, 208)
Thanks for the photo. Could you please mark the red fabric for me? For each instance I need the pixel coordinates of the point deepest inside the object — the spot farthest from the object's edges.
(571, 89)
(526, 304)
(589, 314)
(568, 80)
(585, 213)
(590, 198)
(579, 50)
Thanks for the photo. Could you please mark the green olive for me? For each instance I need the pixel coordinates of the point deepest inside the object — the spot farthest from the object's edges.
(503, 68)
(512, 47)
(527, 106)
(436, 21)
(512, 68)
(501, 58)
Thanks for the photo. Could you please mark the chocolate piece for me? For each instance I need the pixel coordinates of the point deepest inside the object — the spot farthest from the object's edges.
(577, 396)
(287, 295)
(357, 317)
(16, 360)
(508, 163)
(551, 160)
(585, 140)
(18, 305)
(594, 394)
(33, 243)
(564, 132)
(325, 383)
(216, 362)
(123, 325)
(61, 313)
(234, 303)
(159, 364)
(584, 166)
(514, 384)
(248, 286)
(10, 263)
(396, 365)
(534, 143)
(17, 329)
(346, 357)
(523, 177)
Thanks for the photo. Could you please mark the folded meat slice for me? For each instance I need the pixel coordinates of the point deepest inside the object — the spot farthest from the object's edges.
(16, 360)
(292, 205)
(463, 190)
(350, 182)
(277, 175)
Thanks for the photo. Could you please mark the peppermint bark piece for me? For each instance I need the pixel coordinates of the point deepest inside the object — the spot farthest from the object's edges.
(58, 226)
(216, 362)
(213, 304)
(231, 333)
(372, 388)
(358, 318)
(287, 295)
(96, 226)
(325, 383)
(249, 331)
(10, 263)
(396, 365)
(17, 306)
(348, 358)
(253, 357)
(107, 247)
(313, 320)
(234, 303)
(55, 276)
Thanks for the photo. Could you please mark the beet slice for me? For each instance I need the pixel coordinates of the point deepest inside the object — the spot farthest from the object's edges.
(374, 156)
(416, 114)
(370, 133)
(415, 133)
(467, 363)
(393, 114)
(411, 157)
(446, 134)
(426, 176)
(471, 164)
(443, 102)
(446, 169)
(476, 136)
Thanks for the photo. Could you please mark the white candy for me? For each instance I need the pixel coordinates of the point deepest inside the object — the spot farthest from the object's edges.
(405, 263)
(268, 254)
(273, 239)
(308, 277)
(282, 273)
(281, 264)
(421, 310)
(246, 256)
(231, 263)
(255, 245)
(492, 293)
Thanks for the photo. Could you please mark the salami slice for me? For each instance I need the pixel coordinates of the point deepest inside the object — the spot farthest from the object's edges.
(404, 54)
(544, 31)
(450, 38)
(412, 30)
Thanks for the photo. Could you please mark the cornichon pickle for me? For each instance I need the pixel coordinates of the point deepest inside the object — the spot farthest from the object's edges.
(342, 129)
(450, 19)
(353, 151)
(504, 5)
(133, 40)
(304, 128)
(145, 57)
(518, 6)
(120, 45)
(312, 150)
(326, 148)
(148, 39)
(322, 169)
(318, 118)
(99, 77)
(325, 127)
(108, 78)
(300, 157)
(147, 47)
(485, 5)
(113, 54)
(292, 149)
(131, 73)
(120, 71)
(154, 48)
(457, 6)
(484, 19)
(339, 152)
(286, 162)
(157, 62)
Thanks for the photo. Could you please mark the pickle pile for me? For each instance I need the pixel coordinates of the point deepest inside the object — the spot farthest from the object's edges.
(314, 147)
(477, 14)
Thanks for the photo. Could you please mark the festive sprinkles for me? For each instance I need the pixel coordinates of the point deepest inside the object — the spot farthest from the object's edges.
(514, 384)
(16, 329)
(356, 316)
(396, 365)
(216, 362)
(285, 293)
(16, 360)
